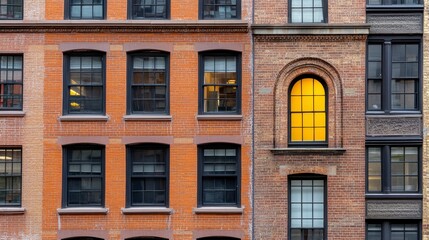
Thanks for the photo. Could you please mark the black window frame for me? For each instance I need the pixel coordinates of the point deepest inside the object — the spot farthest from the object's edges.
(8, 85)
(386, 42)
(68, 9)
(67, 149)
(67, 86)
(386, 172)
(320, 144)
(11, 13)
(325, 200)
(202, 85)
(202, 175)
(130, 85)
(130, 176)
(324, 12)
(203, 17)
(386, 227)
(11, 177)
(131, 11)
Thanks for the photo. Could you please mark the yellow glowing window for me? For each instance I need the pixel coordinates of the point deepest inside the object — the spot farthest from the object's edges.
(308, 111)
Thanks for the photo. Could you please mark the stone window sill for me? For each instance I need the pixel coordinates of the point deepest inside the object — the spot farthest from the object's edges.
(141, 117)
(81, 118)
(218, 210)
(11, 210)
(82, 210)
(147, 210)
(220, 117)
(307, 151)
(12, 113)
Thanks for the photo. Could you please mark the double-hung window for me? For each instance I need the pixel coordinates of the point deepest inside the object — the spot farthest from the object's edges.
(393, 169)
(11, 82)
(147, 175)
(219, 175)
(307, 208)
(220, 9)
(83, 176)
(11, 9)
(148, 83)
(148, 9)
(393, 76)
(308, 11)
(85, 9)
(220, 81)
(392, 230)
(10, 177)
(84, 84)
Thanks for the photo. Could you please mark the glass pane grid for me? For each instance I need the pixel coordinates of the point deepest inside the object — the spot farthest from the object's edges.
(10, 177)
(11, 9)
(308, 111)
(155, 9)
(220, 9)
(11, 76)
(84, 177)
(87, 9)
(307, 11)
(220, 84)
(149, 84)
(148, 176)
(219, 176)
(404, 169)
(85, 84)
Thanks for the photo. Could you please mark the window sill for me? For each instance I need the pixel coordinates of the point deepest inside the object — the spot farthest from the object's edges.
(220, 117)
(305, 151)
(82, 210)
(79, 118)
(142, 117)
(12, 113)
(218, 210)
(11, 210)
(147, 210)
(394, 196)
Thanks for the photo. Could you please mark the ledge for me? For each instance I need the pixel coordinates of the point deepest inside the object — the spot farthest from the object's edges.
(125, 26)
(147, 210)
(218, 210)
(219, 117)
(141, 117)
(393, 115)
(80, 118)
(12, 113)
(82, 210)
(310, 29)
(382, 196)
(11, 210)
(308, 151)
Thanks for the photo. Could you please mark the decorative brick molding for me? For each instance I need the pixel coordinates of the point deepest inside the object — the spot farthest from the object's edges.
(159, 46)
(167, 234)
(394, 209)
(64, 234)
(395, 125)
(217, 233)
(104, 26)
(330, 75)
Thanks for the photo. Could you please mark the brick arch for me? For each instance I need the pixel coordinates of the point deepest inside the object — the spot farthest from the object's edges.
(330, 76)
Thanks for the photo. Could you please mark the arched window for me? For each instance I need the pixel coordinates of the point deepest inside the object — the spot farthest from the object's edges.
(308, 110)
(83, 238)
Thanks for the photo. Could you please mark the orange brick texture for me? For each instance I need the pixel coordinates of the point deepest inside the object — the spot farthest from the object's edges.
(26, 132)
(183, 127)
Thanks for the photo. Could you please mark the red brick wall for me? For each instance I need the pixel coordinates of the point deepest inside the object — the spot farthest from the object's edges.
(183, 127)
(345, 172)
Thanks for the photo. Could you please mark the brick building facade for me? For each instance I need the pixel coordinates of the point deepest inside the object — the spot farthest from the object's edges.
(135, 120)
(309, 113)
